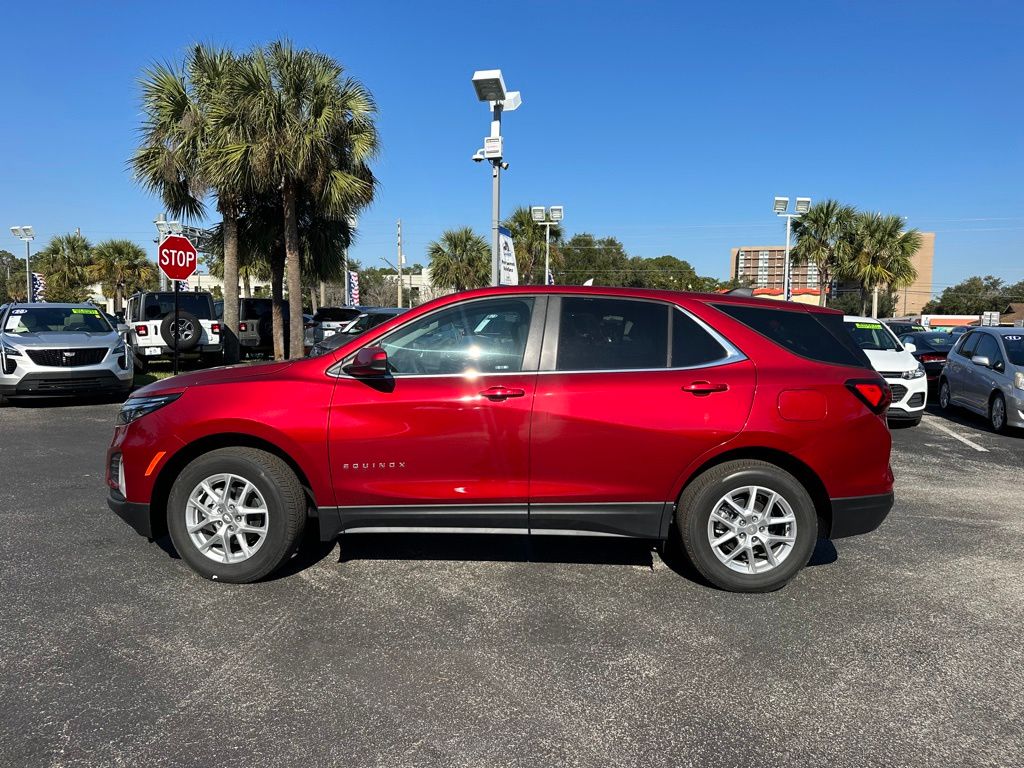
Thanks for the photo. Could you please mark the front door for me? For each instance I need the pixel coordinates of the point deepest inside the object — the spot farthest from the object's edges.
(442, 442)
(630, 393)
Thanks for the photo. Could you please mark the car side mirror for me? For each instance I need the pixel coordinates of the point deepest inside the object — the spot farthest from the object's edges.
(910, 347)
(981, 360)
(369, 361)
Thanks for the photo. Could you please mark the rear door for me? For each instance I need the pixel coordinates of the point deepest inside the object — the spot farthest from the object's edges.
(630, 392)
(958, 368)
(980, 380)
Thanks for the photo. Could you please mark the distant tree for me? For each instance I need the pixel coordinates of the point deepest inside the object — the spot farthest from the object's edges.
(122, 268)
(665, 272)
(585, 257)
(64, 264)
(12, 276)
(460, 259)
(825, 237)
(882, 254)
(976, 295)
(529, 239)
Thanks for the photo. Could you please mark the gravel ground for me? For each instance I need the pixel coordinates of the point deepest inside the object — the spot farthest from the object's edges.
(903, 647)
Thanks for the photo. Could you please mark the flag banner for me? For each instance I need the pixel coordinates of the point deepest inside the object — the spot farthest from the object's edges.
(353, 289)
(38, 287)
(551, 278)
(508, 273)
(182, 286)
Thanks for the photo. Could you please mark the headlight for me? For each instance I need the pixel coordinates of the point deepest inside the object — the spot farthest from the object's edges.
(1018, 379)
(917, 373)
(136, 407)
(9, 350)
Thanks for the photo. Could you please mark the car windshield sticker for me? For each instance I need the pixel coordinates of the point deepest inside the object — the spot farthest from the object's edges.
(18, 311)
(1012, 338)
(13, 322)
(870, 326)
(77, 311)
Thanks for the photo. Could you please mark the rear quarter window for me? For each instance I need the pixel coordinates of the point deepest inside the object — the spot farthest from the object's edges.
(815, 336)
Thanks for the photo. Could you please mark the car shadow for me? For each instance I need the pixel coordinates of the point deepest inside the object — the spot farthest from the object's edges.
(73, 401)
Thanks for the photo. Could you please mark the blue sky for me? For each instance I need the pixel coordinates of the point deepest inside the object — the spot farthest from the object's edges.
(668, 125)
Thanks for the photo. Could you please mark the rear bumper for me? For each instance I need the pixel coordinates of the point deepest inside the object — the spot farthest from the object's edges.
(135, 514)
(859, 514)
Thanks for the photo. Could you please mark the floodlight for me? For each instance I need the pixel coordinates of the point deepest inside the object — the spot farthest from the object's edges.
(29, 232)
(16, 231)
(489, 85)
(537, 213)
(512, 101)
(557, 212)
(781, 204)
(175, 228)
(803, 204)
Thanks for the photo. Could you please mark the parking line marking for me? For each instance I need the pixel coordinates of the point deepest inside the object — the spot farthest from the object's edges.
(951, 433)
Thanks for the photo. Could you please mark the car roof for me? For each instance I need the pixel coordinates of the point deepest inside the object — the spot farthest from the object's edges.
(54, 305)
(639, 293)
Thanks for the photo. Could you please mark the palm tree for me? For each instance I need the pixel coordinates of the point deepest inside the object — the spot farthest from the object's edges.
(460, 259)
(825, 238)
(121, 267)
(529, 238)
(309, 130)
(882, 255)
(177, 155)
(64, 264)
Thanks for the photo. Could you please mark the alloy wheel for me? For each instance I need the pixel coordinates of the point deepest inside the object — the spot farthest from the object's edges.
(998, 414)
(944, 395)
(227, 518)
(752, 529)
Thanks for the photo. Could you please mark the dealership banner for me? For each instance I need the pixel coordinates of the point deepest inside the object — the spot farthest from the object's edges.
(508, 273)
(353, 289)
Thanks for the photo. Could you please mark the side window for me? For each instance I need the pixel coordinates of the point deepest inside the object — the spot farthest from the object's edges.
(988, 347)
(478, 336)
(691, 344)
(597, 334)
(968, 345)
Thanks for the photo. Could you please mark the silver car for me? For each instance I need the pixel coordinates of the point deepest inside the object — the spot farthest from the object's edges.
(984, 373)
(53, 350)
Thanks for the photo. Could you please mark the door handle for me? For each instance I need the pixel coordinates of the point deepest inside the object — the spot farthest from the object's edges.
(704, 388)
(497, 394)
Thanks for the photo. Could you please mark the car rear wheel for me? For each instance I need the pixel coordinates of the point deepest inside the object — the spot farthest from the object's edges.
(747, 526)
(997, 412)
(945, 397)
(236, 514)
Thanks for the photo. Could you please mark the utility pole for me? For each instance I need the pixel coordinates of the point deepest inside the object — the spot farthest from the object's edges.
(400, 260)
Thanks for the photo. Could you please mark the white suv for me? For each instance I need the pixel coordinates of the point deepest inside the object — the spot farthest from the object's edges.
(151, 319)
(905, 375)
(49, 350)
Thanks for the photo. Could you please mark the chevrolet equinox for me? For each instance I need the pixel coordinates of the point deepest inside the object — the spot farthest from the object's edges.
(745, 427)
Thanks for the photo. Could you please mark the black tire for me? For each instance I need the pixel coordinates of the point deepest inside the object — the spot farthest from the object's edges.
(191, 331)
(141, 366)
(997, 406)
(285, 501)
(698, 501)
(945, 396)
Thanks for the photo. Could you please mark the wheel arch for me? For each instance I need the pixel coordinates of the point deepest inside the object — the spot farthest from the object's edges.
(807, 477)
(170, 471)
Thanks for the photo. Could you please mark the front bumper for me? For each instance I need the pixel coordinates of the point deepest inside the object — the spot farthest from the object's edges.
(859, 514)
(133, 513)
(909, 397)
(57, 383)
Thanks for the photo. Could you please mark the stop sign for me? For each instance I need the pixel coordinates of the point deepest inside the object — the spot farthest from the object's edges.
(177, 257)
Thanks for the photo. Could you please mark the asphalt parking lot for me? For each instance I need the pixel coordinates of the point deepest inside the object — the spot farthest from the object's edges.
(900, 648)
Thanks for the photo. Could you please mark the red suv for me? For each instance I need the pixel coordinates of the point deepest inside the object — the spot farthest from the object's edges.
(749, 427)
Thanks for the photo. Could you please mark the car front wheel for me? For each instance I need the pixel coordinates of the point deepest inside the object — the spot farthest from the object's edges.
(945, 398)
(997, 413)
(236, 514)
(747, 526)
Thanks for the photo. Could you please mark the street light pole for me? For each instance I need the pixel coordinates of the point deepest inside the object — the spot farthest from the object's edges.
(490, 87)
(27, 235)
(781, 208)
(541, 216)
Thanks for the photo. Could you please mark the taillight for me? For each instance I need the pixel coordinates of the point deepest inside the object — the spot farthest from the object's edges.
(933, 358)
(243, 326)
(142, 330)
(874, 393)
(215, 328)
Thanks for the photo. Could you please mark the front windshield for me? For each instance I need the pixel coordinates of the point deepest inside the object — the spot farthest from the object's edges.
(1014, 344)
(44, 319)
(871, 335)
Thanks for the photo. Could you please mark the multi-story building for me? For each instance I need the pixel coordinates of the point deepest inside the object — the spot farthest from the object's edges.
(762, 266)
